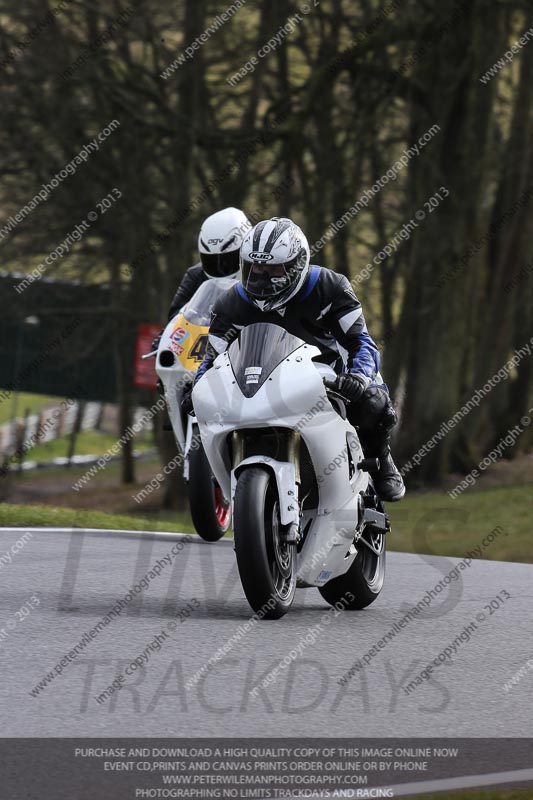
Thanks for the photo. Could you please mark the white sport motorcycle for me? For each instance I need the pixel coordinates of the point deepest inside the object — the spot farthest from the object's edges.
(305, 512)
(181, 351)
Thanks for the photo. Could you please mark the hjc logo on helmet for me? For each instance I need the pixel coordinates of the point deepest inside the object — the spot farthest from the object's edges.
(261, 256)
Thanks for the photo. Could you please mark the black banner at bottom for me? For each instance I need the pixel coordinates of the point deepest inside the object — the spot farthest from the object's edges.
(127, 769)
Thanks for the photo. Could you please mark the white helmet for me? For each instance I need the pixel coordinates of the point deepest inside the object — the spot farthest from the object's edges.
(219, 241)
(274, 262)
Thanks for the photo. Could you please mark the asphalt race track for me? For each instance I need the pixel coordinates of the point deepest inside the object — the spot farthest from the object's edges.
(61, 583)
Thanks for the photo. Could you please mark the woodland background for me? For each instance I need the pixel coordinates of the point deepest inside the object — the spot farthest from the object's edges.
(318, 121)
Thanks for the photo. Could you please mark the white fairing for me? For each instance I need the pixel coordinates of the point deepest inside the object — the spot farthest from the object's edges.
(176, 377)
(292, 397)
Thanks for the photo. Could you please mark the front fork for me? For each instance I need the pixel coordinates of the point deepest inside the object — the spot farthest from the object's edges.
(291, 533)
(291, 530)
(189, 443)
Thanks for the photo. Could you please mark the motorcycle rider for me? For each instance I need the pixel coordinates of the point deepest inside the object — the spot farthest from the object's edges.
(319, 306)
(219, 243)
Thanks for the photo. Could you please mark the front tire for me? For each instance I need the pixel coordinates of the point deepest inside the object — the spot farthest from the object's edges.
(211, 514)
(267, 565)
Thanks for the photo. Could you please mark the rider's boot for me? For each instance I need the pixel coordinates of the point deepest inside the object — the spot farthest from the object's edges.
(388, 481)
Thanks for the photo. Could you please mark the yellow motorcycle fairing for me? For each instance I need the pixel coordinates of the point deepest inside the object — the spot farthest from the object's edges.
(188, 342)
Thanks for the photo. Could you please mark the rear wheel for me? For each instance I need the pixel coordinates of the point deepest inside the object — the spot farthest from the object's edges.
(363, 582)
(211, 514)
(267, 564)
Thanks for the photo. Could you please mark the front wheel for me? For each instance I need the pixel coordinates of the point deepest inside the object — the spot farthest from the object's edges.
(267, 564)
(210, 512)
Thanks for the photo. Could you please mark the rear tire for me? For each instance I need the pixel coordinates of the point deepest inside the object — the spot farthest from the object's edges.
(211, 515)
(267, 565)
(364, 580)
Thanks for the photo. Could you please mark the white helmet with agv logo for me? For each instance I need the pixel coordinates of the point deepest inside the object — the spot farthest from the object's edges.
(219, 242)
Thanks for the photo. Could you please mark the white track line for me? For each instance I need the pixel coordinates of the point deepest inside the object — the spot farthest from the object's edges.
(111, 532)
(463, 782)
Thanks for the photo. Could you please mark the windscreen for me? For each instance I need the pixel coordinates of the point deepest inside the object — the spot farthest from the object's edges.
(198, 310)
(257, 352)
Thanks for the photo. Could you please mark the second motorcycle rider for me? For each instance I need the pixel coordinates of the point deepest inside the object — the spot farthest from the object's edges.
(319, 306)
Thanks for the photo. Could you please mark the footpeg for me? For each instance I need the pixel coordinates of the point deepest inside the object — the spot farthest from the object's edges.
(377, 520)
(369, 465)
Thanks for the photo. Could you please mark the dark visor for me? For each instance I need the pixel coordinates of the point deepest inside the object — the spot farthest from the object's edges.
(220, 265)
(268, 280)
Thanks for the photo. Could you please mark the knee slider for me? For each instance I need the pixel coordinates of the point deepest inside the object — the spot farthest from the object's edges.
(389, 416)
(373, 409)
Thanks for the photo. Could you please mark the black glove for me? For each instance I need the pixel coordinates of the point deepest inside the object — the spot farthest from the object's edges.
(352, 386)
(155, 343)
(186, 400)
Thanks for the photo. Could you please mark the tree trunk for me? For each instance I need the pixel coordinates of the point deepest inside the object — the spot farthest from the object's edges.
(434, 324)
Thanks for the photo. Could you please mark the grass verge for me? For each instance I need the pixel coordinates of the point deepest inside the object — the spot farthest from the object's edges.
(27, 401)
(90, 442)
(16, 516)
(433, 522)
(424, 523)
